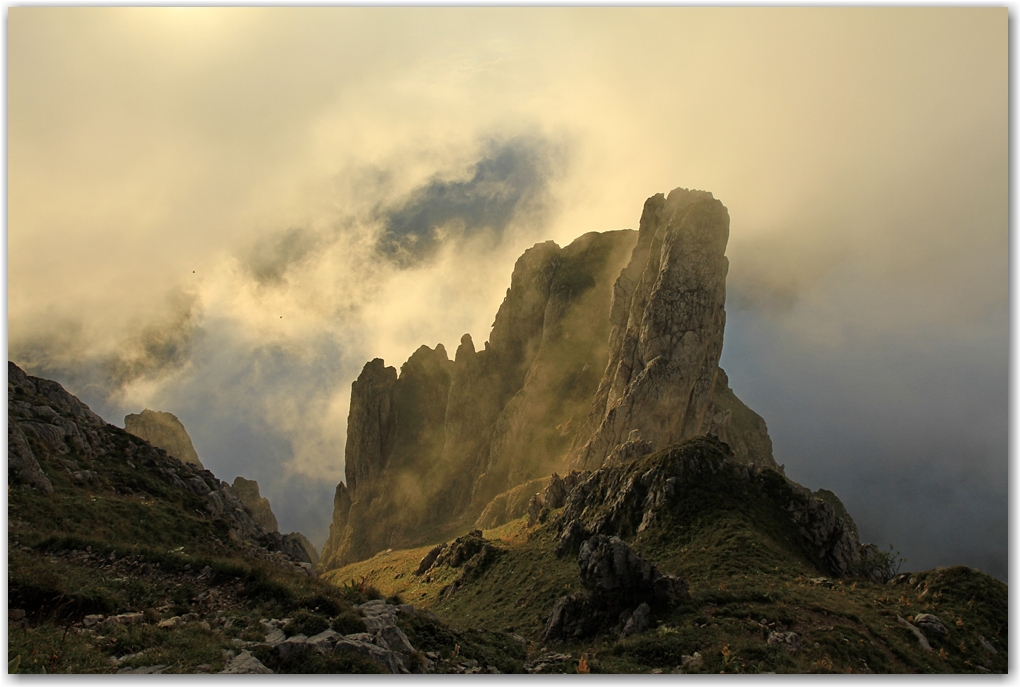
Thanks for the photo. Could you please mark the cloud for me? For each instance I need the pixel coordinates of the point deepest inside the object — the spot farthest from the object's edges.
(510, 181)
(224, 212)
(153, 350)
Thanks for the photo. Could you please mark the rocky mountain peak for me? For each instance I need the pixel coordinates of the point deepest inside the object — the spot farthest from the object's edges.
(668, 319)
(164, 430)
(601, 352)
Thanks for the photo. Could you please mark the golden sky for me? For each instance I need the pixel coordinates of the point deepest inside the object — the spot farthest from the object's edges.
(196, 195)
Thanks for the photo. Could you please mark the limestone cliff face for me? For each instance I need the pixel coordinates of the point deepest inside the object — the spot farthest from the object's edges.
(667, 319)
(601, 352)
(247, 492)
(165, 431)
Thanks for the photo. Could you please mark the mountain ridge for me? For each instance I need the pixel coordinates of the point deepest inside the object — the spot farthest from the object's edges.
(593, 349)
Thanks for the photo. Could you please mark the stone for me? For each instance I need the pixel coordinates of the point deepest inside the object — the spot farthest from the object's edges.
(639, 620)
(274, 635)
(245, 664)
(428, 559)
(787, 640)
(921, 639)
(930, 623)
(987, 645)
(323, 642)
(292, 647)
(692, 661)
(396, 640)
(462, 549)
(165, 431)
(90, 620)
(126, 619)
(143, 670)
(390, 660)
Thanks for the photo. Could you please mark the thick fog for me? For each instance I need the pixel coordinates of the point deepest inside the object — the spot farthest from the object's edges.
(224, 213)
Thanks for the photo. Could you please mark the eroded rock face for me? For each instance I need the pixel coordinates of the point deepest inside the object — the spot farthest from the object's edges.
(165, 431)
(437, 443)
(668, 318)
(625, 500)
(247, 492)
(621, 589)
(554, 495)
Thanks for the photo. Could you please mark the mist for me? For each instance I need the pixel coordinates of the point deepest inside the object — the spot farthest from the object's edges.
(225, 212)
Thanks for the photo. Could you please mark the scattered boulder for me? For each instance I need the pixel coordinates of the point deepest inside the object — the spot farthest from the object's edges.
(692, 661)
(390, 660)
(639, 621)
(323, 642)
(429, 559)
(461, 549)
(245, 664)
(547, 660)
(921, 639)
(787, 640)
(930, 623)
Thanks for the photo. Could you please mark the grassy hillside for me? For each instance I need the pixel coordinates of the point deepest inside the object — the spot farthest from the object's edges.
(749, 575)
(118, 560)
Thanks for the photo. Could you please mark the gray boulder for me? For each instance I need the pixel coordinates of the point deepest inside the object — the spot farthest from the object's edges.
(245, 664)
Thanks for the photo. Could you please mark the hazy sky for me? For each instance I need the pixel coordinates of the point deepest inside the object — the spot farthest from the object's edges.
(224, 213)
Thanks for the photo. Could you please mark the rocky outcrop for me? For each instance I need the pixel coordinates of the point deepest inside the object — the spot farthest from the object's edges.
(668, 318)
(395, 478)
(472, 553)
(298, 547)
(621, 589)
(165, 431)
(626, 500)
(247, 492)
(554, 495)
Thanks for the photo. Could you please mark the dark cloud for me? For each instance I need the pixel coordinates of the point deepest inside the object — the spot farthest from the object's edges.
(909, 431)
(509, 181)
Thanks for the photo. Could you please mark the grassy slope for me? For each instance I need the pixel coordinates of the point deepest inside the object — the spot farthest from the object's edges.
(137, 543)
(748, 577)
